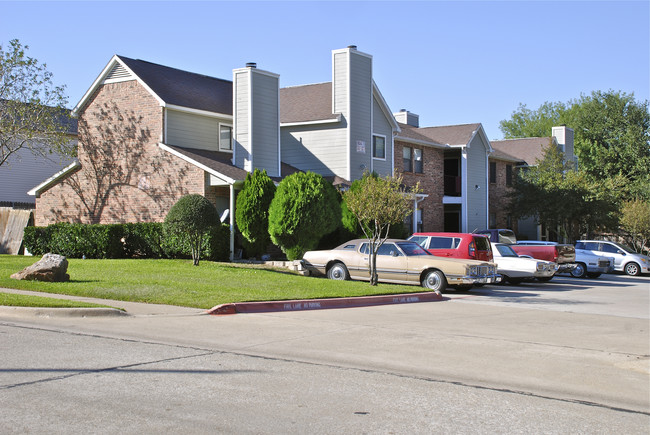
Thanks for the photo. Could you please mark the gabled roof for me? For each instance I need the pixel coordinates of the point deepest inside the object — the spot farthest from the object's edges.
(170, 86)
(528, 150)
(216, 163)
(55, 179)
(413, 134)
(313, 103)
(451, 134)
(307, 103)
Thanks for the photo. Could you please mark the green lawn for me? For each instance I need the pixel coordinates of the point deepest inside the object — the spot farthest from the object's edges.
(16, 300)
(177, 282)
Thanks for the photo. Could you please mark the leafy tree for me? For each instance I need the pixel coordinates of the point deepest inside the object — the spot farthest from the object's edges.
(190, 219)
(533, 123)
(253, 210)
(32, 110)
(304, 209)
(612, 136)
(377, 204)
(635, 221)
(560, 197)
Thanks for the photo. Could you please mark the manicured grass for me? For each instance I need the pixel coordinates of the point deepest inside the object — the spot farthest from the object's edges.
(15, 300)
(177, 282)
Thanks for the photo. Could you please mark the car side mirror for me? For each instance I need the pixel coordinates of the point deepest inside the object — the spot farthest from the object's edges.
(393, 253)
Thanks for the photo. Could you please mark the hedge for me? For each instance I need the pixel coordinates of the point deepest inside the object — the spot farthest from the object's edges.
(134, 240)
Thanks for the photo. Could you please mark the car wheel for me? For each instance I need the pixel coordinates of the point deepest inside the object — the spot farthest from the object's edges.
(434, 280)
(593, 275)
(580, 271)
(632, 269)
(338, 271)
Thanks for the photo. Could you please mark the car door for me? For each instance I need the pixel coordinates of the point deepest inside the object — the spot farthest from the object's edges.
(610, 250)
(391, 263)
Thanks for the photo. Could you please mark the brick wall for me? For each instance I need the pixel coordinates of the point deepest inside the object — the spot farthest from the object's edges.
(431, 183)
(125, 176)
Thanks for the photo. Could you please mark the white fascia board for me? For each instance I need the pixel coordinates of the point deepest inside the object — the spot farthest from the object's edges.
(320, 121)
(384, 106)
(114, 60)
(36, 191)
(197, 111)
(421, 142)
(211, 171)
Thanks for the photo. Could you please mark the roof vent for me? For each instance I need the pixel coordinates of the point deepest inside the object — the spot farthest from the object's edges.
(352, 47)
(251, 65)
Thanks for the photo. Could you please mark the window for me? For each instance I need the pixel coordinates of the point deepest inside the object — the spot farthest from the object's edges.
(412, 159)
(225, 138)
(508, 175)
(417, 160)
(379, 147)
(408, 163)
(493, 172)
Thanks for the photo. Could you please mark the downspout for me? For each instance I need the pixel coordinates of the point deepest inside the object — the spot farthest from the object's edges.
(232, 222)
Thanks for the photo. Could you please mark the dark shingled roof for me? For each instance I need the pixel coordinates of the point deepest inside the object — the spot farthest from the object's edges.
(306, 103)
(451, 134)
(529, 149)
(218, 161)
(183, 88)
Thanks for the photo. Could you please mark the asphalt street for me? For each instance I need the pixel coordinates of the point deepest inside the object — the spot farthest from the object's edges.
(566, 356)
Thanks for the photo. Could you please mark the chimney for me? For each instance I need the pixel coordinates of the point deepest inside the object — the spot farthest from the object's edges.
(408, 118)
(256, 119)
(564, 137)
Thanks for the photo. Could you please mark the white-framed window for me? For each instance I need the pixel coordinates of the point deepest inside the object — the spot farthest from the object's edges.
(225, 137)
(412, 160)
(379, 147)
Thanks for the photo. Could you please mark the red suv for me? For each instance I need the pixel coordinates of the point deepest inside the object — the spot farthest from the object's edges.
(457, 245)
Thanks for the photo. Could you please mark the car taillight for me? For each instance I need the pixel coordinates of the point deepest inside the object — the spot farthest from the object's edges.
(472, 250)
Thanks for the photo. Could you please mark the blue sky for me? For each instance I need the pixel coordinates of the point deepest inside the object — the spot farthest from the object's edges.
(450, 62)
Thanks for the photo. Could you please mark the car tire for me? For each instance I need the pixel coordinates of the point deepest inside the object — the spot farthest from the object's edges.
(632, 269)
(580, 271)
(593, 275)
(434, 280)
(338, 271)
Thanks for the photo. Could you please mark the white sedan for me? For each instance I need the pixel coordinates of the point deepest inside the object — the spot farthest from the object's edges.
(516, 269)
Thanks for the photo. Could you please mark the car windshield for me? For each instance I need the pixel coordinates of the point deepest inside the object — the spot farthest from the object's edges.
(412, 249)
(482, 243)
(506, 251)
(507, 236)
(627, 248)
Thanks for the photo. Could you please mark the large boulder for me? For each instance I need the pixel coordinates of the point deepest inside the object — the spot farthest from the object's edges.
(52, 268)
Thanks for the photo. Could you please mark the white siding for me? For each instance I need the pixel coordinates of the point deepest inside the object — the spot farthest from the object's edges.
(190, 130)
(24, 171)
(360, 117)
(477, 176)
(322, 150)
(266, 123)
(382, 127)
(241, 143)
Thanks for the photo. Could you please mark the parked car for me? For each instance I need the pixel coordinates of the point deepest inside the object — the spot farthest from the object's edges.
(516, 269)
(456, 245)
(587, 263)
(626, 259)
(401, 262)
(563, 255)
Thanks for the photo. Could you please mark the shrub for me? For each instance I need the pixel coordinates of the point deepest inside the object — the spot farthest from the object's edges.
(252, 211)
(189, 220)
(305, 208)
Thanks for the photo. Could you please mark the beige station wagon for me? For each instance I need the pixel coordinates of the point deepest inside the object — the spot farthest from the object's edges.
(400, 262)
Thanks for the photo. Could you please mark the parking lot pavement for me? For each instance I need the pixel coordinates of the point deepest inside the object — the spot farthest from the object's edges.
(609, 294)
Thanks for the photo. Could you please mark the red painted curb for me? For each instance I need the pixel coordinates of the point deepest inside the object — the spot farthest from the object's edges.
(322, 304)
